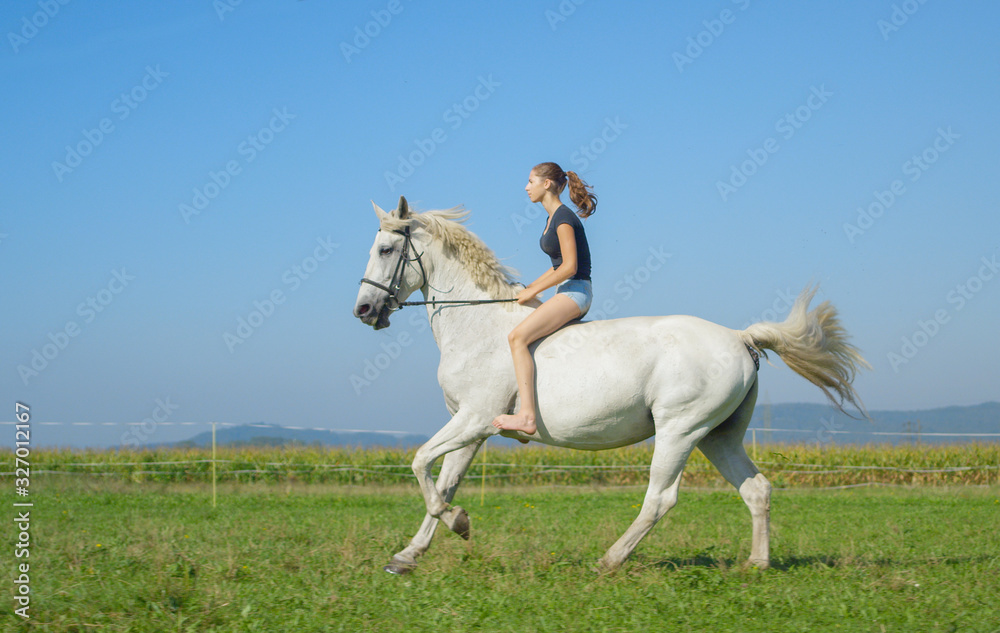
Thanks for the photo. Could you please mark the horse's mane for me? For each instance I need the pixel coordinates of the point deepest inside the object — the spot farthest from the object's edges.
(498, 280)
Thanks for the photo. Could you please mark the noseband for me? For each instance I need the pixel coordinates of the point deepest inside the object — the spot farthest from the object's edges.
(396, 281)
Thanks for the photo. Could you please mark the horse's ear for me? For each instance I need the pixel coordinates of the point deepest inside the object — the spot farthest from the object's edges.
(404, 209)
(379, 212)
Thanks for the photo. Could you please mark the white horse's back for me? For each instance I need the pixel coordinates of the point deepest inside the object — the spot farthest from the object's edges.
(600, 382)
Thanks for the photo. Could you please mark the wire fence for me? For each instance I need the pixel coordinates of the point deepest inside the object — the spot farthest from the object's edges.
(784, 466)
(809, 464)
(488, 470)
(751, 432)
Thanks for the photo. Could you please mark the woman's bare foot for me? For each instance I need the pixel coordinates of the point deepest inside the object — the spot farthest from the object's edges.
(517, 422)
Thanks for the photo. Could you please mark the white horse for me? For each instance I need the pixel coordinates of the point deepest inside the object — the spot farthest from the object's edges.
(684, 381)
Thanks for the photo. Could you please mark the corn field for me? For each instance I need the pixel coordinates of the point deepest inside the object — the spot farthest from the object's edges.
(784, 465)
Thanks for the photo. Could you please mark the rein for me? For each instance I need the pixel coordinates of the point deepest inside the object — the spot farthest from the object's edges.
(396, 282)
(465, 302)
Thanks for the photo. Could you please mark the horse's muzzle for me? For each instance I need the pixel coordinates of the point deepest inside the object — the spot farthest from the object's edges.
(378, 319)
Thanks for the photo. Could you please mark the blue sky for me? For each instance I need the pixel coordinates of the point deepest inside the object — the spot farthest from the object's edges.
(168, 167)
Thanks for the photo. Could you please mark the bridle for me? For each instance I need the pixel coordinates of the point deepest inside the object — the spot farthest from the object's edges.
(396, 281)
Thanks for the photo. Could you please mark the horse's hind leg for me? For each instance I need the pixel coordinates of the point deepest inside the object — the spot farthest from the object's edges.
(670, 453)
(453, 469)
(723, 446)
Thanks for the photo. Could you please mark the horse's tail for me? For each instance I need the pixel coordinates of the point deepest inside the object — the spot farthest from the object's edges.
(815, 346)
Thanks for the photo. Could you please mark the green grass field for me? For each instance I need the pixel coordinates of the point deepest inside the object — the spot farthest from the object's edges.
(108, 555)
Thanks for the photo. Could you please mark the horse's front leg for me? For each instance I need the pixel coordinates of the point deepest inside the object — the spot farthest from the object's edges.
(453, 470)
(463, 430)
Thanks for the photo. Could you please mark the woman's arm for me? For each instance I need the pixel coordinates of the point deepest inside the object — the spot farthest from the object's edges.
(555, 276)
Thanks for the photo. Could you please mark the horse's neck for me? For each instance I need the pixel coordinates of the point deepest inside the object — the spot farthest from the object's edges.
(463, 328)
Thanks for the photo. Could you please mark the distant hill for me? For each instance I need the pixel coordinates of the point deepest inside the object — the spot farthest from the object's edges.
(276, 435)
(808, 423)
(789, 423)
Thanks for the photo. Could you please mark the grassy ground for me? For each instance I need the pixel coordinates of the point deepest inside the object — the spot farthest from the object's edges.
(113, 556)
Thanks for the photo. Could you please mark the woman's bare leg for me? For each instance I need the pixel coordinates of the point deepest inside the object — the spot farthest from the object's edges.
(546, 319)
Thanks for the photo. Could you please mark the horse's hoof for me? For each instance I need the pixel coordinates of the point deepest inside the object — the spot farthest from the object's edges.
(399, 567)
(458, 522)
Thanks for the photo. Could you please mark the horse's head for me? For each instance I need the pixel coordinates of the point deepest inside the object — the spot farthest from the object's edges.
(394, 268)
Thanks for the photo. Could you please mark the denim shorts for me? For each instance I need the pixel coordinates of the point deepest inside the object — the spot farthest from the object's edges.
(581, 291)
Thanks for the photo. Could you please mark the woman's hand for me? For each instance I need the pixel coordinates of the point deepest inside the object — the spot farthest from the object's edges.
(526, 295)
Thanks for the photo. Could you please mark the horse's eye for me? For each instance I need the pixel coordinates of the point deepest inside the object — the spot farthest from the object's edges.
(385, 250)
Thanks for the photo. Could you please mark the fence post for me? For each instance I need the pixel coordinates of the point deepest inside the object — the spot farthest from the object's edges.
(482, 484)
(213, 464)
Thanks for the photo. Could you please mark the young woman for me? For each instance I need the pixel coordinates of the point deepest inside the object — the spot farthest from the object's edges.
(565, 242)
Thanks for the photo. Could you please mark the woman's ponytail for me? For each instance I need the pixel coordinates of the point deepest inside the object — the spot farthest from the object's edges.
(580, 193)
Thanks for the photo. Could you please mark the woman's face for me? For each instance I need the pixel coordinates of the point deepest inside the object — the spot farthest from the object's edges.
(535, 187)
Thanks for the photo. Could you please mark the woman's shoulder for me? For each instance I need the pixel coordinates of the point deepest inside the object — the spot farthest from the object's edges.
(564, 215)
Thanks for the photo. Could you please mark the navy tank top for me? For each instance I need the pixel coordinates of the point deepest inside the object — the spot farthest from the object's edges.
(550, 242)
